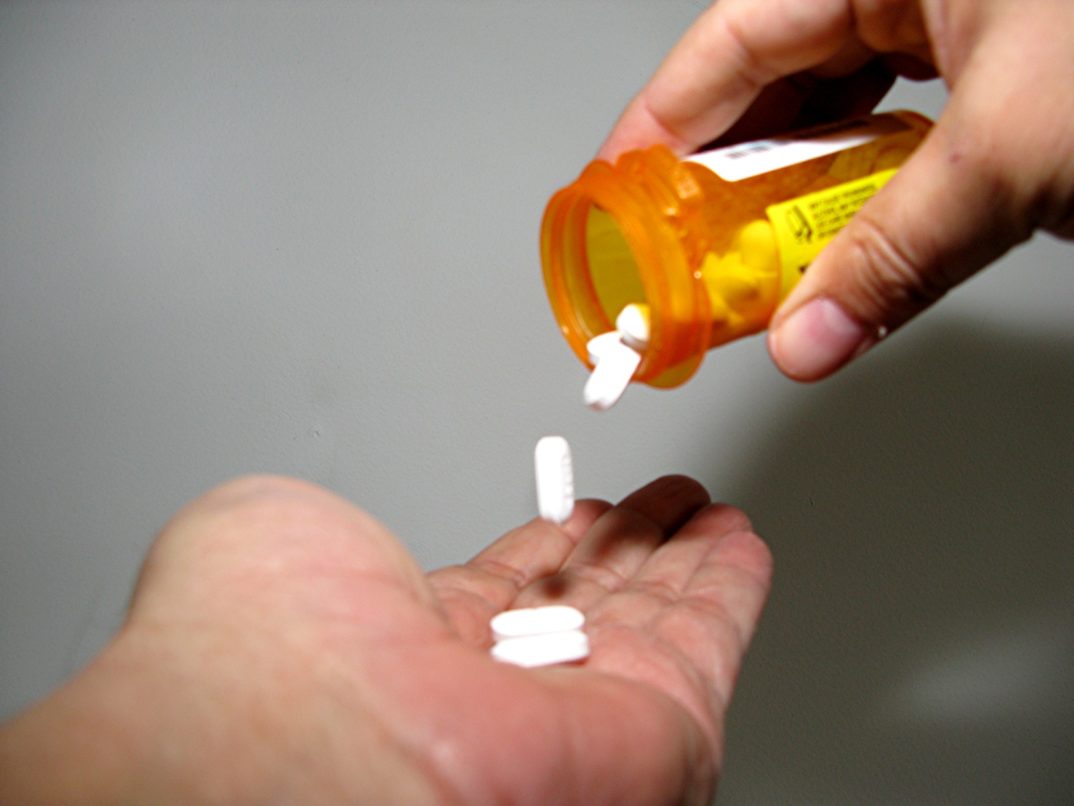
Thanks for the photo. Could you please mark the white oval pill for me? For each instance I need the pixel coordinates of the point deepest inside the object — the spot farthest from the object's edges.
(525, 621)
(611, 375)
(598, 346)
(542, 650)
(555, 479)
(633, 324)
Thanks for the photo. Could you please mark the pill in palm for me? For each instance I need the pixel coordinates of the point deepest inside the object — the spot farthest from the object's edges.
(543, 650)
(525, 621)
(555, 479)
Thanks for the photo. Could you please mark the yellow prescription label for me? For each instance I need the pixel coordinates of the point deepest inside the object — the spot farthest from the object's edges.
(803, 225)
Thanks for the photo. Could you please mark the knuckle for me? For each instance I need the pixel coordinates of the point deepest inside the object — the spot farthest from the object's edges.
(891, 282)
(889, 25)
(754, 69)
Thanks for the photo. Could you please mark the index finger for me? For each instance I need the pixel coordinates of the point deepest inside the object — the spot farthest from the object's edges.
(719, 67)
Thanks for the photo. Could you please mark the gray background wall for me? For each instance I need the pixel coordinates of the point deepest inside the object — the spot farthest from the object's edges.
(301, 237)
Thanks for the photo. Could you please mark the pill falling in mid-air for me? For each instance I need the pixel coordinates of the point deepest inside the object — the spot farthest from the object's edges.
(539, 636)
(542, 636)
(555, 479)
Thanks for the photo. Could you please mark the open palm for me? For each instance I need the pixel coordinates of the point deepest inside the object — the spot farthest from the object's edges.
(282, 646)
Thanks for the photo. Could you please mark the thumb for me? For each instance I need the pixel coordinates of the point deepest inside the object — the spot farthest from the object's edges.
(269, 549)
(945, 215)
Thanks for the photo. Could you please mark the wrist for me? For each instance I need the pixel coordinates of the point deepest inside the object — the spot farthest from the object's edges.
(143, 723)
(73, 747)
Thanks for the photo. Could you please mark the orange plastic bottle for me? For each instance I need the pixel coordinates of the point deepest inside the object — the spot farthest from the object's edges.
(711, 243)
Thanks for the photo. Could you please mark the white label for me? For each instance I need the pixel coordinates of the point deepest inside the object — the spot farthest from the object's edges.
(744, 160)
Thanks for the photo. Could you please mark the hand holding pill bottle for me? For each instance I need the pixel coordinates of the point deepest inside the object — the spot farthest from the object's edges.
(700, 251)
(997, 166)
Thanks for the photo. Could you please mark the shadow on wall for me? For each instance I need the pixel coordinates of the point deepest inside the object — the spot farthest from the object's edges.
(919, 642)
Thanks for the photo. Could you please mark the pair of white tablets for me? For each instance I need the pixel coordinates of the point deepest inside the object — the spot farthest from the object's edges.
(539, 636)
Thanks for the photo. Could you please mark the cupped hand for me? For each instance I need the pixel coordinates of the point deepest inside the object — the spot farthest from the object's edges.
(998, 165)
(282, 646)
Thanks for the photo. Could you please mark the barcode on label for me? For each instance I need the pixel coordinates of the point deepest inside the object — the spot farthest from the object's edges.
(748, 149)
(744, 160)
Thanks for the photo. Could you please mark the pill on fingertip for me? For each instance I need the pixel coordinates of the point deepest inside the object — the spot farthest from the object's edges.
(543, 650)
(555, 479)
(525, 621)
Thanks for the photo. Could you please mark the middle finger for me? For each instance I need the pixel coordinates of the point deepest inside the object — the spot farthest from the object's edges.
(618, 543)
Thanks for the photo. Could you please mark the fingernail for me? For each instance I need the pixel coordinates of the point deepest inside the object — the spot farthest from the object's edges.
(817, 339)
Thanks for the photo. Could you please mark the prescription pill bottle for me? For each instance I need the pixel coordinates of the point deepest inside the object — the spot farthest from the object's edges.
(711, 243)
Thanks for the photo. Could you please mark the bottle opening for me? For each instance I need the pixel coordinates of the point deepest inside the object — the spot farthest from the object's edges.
(605, 247)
